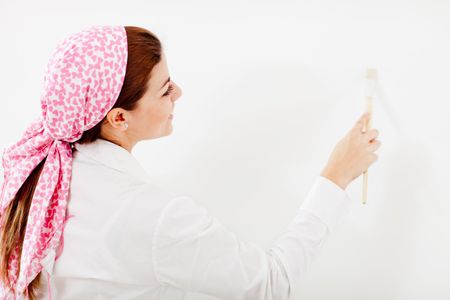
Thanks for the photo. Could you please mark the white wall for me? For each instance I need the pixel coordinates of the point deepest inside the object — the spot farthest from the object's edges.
(269, 88)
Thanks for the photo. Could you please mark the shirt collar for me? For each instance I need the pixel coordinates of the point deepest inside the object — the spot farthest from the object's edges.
(113, 156)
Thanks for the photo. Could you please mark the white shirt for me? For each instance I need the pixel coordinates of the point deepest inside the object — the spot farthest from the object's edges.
(129, 239)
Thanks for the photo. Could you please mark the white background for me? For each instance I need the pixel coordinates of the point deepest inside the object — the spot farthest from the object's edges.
(269, 87)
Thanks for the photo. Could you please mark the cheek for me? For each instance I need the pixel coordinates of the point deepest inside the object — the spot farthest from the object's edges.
(155, 113)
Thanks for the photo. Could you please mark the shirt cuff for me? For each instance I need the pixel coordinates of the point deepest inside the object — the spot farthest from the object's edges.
(327, 201)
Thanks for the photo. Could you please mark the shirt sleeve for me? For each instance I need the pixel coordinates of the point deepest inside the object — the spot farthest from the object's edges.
(193, 251)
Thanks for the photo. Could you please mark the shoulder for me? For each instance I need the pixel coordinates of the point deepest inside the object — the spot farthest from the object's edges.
(151, 195)
(183, 205)
(182, 217)
(150, 190)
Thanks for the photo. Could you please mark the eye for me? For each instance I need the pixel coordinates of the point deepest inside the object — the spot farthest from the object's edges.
(169, 90)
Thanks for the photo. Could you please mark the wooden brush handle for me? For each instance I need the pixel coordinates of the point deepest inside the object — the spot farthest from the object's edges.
(366, 127)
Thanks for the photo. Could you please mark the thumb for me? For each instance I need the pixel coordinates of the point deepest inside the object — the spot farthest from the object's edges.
(362, 121)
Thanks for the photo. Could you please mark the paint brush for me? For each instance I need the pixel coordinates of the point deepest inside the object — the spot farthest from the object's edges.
(371, 75)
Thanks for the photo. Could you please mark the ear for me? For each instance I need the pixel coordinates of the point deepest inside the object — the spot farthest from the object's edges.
(116, 117)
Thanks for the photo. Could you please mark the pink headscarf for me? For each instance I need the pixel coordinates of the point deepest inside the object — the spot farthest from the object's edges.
(83, 80)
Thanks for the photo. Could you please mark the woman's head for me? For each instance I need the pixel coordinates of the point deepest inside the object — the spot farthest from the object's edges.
(146, 99)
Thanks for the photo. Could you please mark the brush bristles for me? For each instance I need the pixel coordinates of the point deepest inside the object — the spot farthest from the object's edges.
(371, 74)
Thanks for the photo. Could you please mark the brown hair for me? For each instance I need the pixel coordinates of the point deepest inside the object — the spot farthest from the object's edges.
(144, 52)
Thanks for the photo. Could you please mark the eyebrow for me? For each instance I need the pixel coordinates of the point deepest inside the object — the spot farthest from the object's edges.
(168, 79)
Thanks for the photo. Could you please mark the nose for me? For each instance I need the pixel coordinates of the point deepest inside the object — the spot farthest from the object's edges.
(177, 92)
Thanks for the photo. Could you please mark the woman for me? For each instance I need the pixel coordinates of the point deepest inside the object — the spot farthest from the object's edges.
(80, 218)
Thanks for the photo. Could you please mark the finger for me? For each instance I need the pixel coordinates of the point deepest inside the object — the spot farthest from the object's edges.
(371, 134)
(374, 146)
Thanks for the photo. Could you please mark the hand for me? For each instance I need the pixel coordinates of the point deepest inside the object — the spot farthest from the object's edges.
(353, 154)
